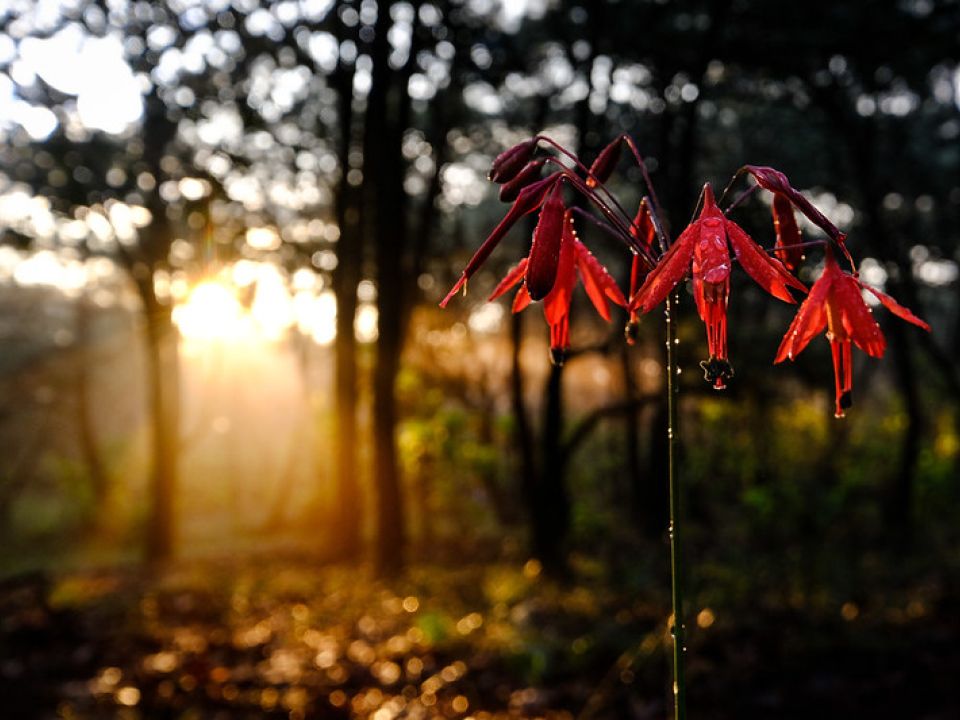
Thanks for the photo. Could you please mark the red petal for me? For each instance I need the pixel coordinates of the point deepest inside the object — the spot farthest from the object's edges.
(765, 270)
(514, 276)
(810, 320)
(711, 254)
(670, 270)
(788, 241)
(560, 336)
(857, 319)
(712, 307)
(545, 248)
(598, 283)
(896, 308)
(557, 303)
(642, 227)
(521, 300)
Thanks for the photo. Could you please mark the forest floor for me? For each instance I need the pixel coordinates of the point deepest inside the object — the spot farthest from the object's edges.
(274, 638)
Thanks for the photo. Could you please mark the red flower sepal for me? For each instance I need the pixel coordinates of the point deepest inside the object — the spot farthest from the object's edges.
(835, 303)
(704, 246)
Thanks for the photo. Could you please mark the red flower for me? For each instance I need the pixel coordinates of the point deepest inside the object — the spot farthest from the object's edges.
(704, 246)
(529, 199)
(836, 303)
(573, 256)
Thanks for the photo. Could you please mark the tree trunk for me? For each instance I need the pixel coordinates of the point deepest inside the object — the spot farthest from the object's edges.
(163, 407)
(345, 521)
(388, 107)
(523, 436)
(86, 432)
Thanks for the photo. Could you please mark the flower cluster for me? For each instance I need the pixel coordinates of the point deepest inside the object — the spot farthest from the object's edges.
(702, 251)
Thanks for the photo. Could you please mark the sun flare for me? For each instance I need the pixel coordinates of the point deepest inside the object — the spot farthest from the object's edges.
(212, 311)
(255, 304)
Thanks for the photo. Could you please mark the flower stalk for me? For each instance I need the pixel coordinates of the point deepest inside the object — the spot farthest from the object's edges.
(676, 536)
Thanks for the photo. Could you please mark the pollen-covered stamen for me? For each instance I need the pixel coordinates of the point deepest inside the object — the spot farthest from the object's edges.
(717, 371)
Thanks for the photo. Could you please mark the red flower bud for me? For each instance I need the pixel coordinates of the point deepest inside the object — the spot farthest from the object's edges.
(545, 249)
(777, 183)
(528, 201)
(787, 246)
(508, 163)
(529, 174)
(603, 166)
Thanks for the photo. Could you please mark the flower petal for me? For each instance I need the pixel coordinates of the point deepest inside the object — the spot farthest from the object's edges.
(670, 270)
(896, 308)
(642, 227)
(858, 322)
(514, 276)
(810, 320)
(557, 303)
(598, 283)
(765, 270)
(521, 300)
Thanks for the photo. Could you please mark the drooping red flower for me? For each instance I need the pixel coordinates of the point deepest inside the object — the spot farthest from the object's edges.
(835, 303)
(574, 258)
(703, 245)
(644, 232)
(529, 200)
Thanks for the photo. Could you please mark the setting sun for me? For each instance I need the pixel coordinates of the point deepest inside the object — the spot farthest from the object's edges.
(212, 312)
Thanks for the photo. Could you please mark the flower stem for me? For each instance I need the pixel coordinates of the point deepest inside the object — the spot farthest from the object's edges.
(679, 648)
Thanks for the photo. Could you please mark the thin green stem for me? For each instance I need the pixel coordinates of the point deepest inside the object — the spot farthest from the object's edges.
(676, 590)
